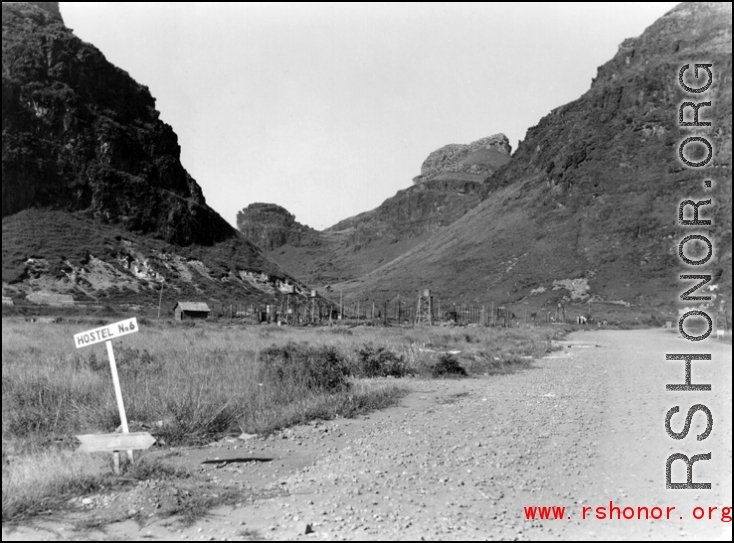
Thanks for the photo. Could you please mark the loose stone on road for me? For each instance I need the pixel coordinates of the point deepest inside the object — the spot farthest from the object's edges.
(461, 459)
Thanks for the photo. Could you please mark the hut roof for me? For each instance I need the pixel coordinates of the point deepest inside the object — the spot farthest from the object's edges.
(194, 306)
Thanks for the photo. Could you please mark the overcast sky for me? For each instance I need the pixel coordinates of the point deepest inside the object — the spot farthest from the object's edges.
(329, 109)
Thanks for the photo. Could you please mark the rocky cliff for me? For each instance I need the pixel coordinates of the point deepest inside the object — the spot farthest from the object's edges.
(591, 194)
(79, 134)
(270, 226)
(95, 201)
(476, 161)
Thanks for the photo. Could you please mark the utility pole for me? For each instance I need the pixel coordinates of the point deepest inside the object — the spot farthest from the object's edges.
(589, 310)
(160, 300)
(313, 306)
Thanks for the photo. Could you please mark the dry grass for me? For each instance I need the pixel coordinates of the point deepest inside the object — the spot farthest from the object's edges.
(192, 385)
(42, 481)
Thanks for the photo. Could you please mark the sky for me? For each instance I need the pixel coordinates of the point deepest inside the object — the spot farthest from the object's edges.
(329, 109)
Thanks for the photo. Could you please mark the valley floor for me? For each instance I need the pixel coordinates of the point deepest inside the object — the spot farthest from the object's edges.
(465, 459)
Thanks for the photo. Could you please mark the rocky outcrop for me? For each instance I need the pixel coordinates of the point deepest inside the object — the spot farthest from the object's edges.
(75, 255)
(476, 161)
(271, 226)
(79, 134)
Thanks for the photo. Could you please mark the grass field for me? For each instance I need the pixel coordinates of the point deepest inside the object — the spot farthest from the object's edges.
(195, 384)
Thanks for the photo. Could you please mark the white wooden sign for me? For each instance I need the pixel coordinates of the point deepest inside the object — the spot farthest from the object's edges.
(105, 333)
(115, 442)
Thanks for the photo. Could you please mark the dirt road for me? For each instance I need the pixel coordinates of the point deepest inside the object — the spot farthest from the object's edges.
(464, 459)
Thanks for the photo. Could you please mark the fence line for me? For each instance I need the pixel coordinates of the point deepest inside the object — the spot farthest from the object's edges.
(321, 311)
(301, 311)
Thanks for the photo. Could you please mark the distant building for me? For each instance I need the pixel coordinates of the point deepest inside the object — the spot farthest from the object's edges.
(191, 310)
(7, 301)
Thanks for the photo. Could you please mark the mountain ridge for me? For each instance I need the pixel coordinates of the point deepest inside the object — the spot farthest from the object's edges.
(591, 193)
(88, 164)
(80, 134)
(450, 185)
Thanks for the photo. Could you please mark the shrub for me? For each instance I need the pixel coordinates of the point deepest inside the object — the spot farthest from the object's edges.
(381, 362)
(447, 365)
(655, 321)
(196, 418)
(315, 368)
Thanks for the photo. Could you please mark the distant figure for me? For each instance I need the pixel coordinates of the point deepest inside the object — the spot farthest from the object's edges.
(720, 334)
(581, 320)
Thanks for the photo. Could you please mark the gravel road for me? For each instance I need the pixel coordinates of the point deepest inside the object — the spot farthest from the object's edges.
(461, 459)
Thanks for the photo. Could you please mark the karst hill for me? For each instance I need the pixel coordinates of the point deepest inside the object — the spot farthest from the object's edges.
(95, 200)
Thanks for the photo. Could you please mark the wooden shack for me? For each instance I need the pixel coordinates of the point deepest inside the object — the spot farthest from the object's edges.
(191, 310)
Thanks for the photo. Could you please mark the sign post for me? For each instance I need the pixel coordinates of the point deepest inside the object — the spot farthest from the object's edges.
(113, 442)
(118, 393)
